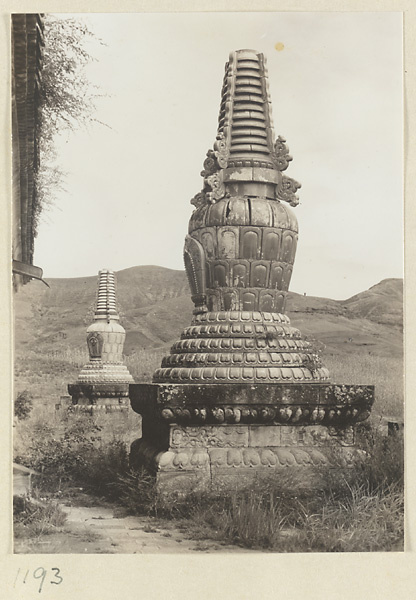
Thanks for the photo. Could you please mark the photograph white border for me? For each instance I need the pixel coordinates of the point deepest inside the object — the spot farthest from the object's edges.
(249, 576)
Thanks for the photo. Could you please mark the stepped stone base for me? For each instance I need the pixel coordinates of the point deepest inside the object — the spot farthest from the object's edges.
(197, 436)
(233, 455)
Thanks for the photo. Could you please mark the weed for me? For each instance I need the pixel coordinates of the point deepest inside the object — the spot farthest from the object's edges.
(33, 518)
(23, 405)
(150, 529)
(348, 510)
(136, 491)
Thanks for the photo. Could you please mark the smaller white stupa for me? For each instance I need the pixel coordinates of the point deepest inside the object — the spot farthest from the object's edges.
(104, 380)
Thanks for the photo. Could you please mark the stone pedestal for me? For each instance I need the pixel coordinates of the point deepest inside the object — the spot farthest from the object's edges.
(105, 396)
(199, 436)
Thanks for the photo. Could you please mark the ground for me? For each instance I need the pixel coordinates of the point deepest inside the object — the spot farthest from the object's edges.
(105, 530)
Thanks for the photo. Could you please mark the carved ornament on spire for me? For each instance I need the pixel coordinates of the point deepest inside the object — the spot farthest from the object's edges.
(212, 173)
(287, 190)
(221, 150)
(281, 156)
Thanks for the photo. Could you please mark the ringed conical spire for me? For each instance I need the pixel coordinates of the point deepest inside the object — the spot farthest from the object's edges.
(246, 159)
(106, 307)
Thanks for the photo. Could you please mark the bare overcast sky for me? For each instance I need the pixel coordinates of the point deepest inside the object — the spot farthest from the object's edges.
(336, 91)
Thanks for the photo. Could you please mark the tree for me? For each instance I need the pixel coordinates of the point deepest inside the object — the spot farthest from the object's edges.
(67, 98)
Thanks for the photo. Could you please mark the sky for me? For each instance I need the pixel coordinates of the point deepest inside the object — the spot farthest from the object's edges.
(336, 90)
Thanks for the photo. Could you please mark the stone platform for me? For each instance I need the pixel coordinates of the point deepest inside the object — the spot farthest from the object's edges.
(111, 396)
(196, 436)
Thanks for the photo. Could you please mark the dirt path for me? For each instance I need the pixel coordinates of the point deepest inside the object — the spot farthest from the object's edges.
(95, 530)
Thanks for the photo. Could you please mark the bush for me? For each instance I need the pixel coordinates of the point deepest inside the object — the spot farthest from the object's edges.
(75, 457)
(136, 491)
(23, 405)
(32, 518)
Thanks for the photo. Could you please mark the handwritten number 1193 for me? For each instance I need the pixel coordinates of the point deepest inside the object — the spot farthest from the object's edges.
(40, 573)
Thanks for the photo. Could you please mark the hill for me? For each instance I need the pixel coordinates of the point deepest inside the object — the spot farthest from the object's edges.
(155, 306)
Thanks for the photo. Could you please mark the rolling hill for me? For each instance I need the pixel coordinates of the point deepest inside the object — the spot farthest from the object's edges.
(155, 306)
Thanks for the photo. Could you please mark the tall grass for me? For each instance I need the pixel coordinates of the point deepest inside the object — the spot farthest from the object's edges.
(143, 363)
(359, 509)
(35, 519)
(385, 373)
(46, 376)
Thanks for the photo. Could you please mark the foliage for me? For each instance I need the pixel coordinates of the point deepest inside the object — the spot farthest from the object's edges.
(313, 360)
(74, 456)
(23, 405)
(355, 509)
(136, 492)
(67, 98)
(33, 518)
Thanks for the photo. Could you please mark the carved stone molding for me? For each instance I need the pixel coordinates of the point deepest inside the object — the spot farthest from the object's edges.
(95, 344)
(194, 258)
(281, 154)
(221, 150)
(287, 191)
(263, 414)
(215, 461)
(266, 404)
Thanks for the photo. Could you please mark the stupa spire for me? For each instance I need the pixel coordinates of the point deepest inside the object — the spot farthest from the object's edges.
(106, 307)
(246, 159)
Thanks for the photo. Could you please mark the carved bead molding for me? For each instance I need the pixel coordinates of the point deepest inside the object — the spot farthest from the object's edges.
(264, 414)
(267, 404)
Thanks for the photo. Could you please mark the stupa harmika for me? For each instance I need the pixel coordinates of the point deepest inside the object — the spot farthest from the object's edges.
(241, 392)
(104, 380)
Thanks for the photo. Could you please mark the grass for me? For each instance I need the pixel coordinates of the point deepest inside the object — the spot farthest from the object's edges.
(144, 363)
(34, 518)
(46, 376)
(358, 509)
(386, 374)
(352, 510)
